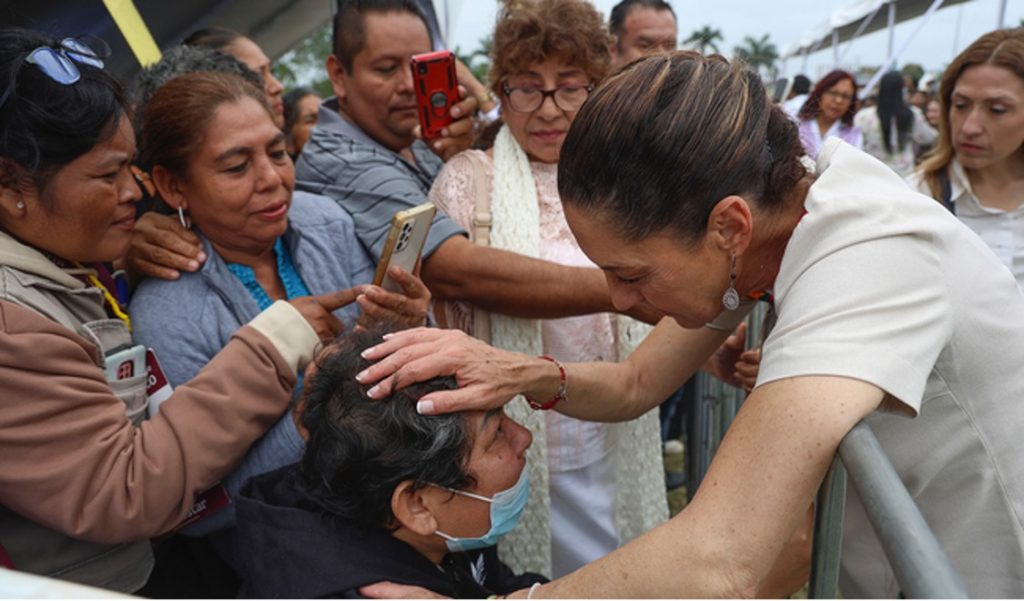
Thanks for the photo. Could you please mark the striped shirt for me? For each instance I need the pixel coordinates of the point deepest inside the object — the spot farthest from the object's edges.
(369, 181)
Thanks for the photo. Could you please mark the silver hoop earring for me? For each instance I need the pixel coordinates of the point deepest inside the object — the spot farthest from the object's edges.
(731, 298)
(181, 217)
(20, 205)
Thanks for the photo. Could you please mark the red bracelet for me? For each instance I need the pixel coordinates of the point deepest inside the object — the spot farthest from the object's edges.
(559, 396)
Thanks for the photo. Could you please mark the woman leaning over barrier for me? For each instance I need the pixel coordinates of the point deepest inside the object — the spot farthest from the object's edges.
(888, 309)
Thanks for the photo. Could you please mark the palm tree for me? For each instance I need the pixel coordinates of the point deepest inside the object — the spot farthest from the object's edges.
(759, 54)
(704, 38)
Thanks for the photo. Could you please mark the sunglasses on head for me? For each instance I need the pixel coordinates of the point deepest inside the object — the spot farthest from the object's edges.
(58, 63)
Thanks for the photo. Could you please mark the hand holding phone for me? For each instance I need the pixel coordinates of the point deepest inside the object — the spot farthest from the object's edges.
(404, 243)
(437, 90)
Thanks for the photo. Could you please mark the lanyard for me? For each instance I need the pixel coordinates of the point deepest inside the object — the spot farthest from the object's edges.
(115, 305)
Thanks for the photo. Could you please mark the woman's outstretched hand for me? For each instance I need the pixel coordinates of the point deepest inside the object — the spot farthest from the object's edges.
(487, 377)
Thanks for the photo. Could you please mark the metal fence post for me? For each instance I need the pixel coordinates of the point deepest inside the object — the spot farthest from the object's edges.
(828, 534)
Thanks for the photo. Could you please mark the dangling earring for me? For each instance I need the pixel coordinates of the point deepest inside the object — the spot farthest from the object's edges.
(20, 205)
(181, 217)
(731, 298)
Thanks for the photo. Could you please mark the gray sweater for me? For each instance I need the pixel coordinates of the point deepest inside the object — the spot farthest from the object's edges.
(187, 321)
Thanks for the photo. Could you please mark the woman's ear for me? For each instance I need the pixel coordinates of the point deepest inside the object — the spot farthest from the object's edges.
(15, 190)
(169, 186)
(413, 507)
(731, 224)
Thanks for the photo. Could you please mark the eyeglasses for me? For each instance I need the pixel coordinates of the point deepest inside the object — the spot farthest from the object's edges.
(58, 63)
(839, 96)
(528, 98)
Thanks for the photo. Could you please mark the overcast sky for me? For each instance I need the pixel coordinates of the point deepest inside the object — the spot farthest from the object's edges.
(787, 20)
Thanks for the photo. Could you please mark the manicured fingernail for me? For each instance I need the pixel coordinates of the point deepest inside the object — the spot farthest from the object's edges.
(385, 337)
(201, 257)
(437, 146)
(425, 407)
(456, 112)
(361, 376)
(193, 265)
(373, 392)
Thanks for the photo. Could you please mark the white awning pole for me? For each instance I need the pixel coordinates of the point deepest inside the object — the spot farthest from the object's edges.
(860, 29)
(936, 4)
(835, 48)
(1002, 15)
(892, 27)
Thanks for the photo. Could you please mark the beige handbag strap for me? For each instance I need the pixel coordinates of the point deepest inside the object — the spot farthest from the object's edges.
(481, 235)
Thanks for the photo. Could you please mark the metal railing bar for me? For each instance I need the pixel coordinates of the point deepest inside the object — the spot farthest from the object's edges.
(922, 568)
(828, 534)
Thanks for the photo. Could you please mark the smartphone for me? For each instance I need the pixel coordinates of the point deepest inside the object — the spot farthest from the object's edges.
(437, 90)
(781, 88)
(404, 243)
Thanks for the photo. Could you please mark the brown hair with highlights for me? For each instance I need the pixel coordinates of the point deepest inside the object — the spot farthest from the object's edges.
(1001, 48)
(529, 32)
(660, 143)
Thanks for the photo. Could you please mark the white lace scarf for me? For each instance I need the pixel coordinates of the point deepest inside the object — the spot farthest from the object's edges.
(641, 501)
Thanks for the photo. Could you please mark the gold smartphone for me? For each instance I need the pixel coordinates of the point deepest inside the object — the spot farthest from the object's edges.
(404, 244)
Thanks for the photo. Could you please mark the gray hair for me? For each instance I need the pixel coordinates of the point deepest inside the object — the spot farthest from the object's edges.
(177, 61)
(359, 450)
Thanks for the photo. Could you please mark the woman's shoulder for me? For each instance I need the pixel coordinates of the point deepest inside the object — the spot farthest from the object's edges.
(314, 209)
(469, 161)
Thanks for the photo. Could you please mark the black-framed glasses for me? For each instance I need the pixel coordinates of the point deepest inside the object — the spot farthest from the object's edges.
(58, 63)
(528, 98)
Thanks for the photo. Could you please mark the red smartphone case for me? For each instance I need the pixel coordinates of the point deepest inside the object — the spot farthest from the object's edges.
(433, 76)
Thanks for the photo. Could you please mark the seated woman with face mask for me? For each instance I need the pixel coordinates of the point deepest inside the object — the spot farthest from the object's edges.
(383, 493)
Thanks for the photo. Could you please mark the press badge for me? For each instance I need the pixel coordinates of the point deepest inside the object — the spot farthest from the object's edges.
(158, 389)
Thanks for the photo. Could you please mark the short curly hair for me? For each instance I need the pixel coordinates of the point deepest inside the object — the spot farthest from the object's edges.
(532, 31)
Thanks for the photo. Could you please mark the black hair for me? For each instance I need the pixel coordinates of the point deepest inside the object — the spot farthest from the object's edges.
(617, 18)
(349, 35)
(178, 61)
(44, 125)
(359, 450)
(801, 85)
(214, 38)
(652, 149)
(892, 108)
(291, 106)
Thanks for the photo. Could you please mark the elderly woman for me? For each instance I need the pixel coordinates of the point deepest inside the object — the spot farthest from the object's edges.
(892, 128)
(547, 57)
(84, 481)
(383, 493)
(876, 289)
(217, 155)
(977, 167)
(829, 111)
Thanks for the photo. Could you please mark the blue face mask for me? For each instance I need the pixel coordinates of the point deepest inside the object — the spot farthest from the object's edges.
(506, 508)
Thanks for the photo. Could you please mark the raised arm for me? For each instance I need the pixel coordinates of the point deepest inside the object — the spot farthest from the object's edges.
(489, 377)
(513, 284)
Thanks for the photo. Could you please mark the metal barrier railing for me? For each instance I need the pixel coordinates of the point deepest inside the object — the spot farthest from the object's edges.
(921, 566)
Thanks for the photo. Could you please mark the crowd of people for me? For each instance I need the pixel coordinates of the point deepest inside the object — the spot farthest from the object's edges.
(203, 393)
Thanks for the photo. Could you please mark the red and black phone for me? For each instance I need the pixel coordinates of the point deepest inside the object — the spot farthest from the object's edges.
(437, 90)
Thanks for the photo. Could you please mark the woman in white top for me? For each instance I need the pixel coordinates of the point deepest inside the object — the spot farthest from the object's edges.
(828, 112)
(891, 128)
(594, 485)
(977, 167)
(888, 309)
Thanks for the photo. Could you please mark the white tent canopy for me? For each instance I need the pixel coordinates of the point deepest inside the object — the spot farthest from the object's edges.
(859, 18)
